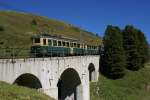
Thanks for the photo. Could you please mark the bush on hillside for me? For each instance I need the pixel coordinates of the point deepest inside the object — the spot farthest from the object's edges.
(1, 28)
(34, 22)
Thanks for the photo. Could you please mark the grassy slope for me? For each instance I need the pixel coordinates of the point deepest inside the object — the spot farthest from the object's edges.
(12, 92)
(18, 29)
(131, 87)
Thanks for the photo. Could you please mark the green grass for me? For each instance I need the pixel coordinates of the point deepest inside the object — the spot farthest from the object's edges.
(13, 92)
(131, 87)
(18, 29)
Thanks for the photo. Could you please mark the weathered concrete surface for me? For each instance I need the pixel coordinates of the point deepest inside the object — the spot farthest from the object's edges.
(49, 70)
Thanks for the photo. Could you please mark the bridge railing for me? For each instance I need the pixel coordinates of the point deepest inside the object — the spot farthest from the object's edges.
(14, 53)
(7, 53)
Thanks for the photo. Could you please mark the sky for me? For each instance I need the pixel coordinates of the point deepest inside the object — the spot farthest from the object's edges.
(91, 15)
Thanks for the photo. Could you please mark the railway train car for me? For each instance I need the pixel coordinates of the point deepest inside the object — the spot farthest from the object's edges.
(47, 45)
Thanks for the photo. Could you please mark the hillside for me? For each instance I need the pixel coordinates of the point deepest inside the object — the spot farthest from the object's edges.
(134, 86)
(12, 92)
(16, 29)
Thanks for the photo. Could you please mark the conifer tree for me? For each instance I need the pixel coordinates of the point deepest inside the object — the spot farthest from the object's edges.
(143, 47)
(131, 47)
(113, 58)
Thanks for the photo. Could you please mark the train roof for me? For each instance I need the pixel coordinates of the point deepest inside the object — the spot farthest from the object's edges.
(55, 37)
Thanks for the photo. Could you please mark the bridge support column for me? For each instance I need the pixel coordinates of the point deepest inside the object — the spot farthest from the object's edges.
(95, 76)
(79, 92)
(86, 92)
(53, 92)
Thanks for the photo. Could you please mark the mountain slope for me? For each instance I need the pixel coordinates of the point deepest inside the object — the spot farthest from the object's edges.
(16, 29)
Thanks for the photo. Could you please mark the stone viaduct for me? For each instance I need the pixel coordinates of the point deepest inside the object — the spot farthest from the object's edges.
(63, 78)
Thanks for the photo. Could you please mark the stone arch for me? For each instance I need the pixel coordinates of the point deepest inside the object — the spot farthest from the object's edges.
(69, 85)
(92, 72)
(28, 80)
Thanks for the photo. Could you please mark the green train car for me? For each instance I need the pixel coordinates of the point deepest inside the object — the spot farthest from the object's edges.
(46, 45)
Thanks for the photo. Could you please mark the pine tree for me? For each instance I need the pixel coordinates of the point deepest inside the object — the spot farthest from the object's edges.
(143, 47)
(131, 46)
(113, 58)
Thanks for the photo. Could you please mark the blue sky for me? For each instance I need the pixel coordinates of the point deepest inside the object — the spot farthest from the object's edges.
(92, 15)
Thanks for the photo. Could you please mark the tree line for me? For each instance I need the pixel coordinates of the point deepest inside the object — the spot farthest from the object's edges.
(123, 49)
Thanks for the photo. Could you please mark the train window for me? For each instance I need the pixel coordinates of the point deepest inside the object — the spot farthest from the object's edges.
(93, 47)
(78, 45)
(37, 40)
(44, 41)
(71, 44)
(49, 42)
(63, 43)
(98, 47)
(59, 43)
(82, 46)
(87, 46)
(54, 43)
(67, 44)
(74, 44)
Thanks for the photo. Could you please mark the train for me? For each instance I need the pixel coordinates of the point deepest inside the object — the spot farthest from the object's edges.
(48, 45)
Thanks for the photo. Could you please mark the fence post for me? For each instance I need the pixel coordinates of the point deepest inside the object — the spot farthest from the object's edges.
(12, 55)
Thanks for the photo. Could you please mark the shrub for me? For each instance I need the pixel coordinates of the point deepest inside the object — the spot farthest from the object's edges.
(34, 22)
(1, 28)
